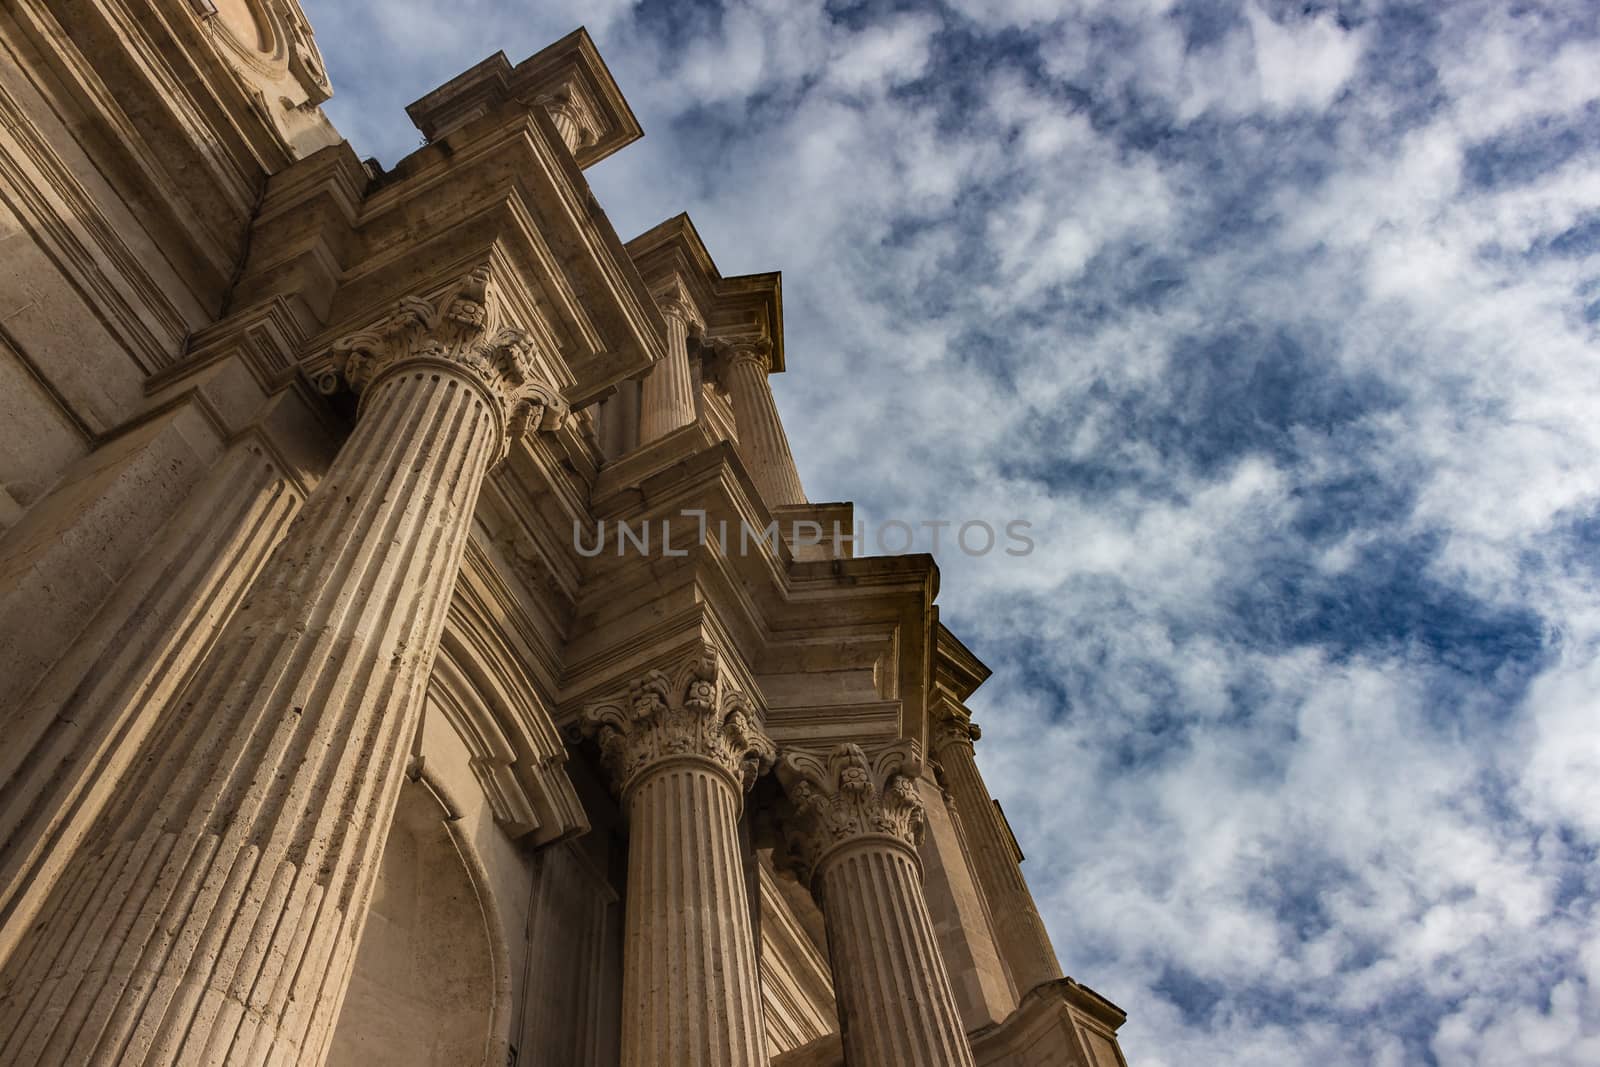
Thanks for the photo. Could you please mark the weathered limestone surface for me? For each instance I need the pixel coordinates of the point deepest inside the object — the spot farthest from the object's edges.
(763, 445)
(978, 978)
(854, 831)
(1023, 940)
(681, 751)
(212, 913)
(668, 399)
(75, 735)
(323, 739)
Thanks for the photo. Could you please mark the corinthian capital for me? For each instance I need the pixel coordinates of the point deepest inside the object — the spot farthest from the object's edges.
(848, 796)
(458, 331)
(718, 356)
(691, 714)
(954, 727)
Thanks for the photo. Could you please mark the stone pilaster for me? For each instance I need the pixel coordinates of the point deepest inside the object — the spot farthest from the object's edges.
(212, 914)
(743, 367)
(681, 752)
(668, 394)
(1023, 941)
(853, 830)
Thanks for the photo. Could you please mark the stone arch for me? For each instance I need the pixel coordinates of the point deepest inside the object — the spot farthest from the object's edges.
(430, 984)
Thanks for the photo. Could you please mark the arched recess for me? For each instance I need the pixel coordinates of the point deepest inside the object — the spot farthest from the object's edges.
(430, 982)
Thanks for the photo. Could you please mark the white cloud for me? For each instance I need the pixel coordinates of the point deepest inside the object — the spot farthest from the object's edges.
(1000, 295)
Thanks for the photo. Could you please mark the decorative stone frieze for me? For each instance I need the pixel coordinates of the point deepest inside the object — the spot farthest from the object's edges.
(681, 750)
(852, 828)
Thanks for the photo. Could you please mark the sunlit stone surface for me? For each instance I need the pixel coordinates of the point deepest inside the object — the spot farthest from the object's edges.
(329, 737)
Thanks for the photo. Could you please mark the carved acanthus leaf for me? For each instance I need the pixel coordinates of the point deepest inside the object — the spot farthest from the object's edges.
(847, 795)
(691, 713)
(459, 329)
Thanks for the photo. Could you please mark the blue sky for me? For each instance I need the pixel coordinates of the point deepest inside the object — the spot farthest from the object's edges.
(1281, 324)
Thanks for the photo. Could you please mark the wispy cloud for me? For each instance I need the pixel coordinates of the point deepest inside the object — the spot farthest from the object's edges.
(1280, 323)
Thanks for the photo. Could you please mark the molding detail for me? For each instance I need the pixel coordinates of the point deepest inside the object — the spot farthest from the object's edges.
(305, 59)
(693, 714)
(954, 728)
(847, 796)
(720, 355)
(462, 331)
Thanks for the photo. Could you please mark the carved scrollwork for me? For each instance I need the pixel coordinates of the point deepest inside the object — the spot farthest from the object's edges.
(954, 728)
(457, 330)
(848, 795)
(692, 713)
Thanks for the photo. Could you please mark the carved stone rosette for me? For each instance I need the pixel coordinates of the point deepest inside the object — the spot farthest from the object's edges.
(845, 796)
(688, 715)
(852, 828)
(458, 331)
(681, 750)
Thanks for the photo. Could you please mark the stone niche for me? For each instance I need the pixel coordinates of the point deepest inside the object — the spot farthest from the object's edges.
(423, 989)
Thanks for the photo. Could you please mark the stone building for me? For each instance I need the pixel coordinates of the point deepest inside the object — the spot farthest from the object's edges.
(333, 732)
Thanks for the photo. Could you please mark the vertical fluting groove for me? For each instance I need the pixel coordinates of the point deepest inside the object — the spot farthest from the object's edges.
(190, 558)
(761, 441)
(667, 400)
(1024, 942)
(127, 689)
(689, 982)
(214, 928)
(894, 994)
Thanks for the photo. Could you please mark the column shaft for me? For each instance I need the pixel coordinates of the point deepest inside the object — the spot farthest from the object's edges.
(852, 828)
(895, 1004)
(668, 400)
(1021, 933)
(209, 917)
(681, 751)
(82, 727)
(690, 987)
(762, 443)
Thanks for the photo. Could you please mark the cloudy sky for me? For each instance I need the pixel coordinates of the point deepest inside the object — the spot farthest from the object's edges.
(1281, 325)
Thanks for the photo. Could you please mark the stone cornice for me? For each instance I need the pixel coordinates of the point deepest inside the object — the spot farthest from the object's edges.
(748, 305)
(848, 798)
(568, 79)
(956, 667)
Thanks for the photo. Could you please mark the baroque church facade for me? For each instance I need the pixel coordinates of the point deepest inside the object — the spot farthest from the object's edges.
(326, 737)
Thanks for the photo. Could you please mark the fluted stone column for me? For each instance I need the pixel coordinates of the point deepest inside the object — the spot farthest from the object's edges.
(853, 830)
(681, 752)
(212, 914)
(762, 443)
(1021, 933)
(668, 395)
